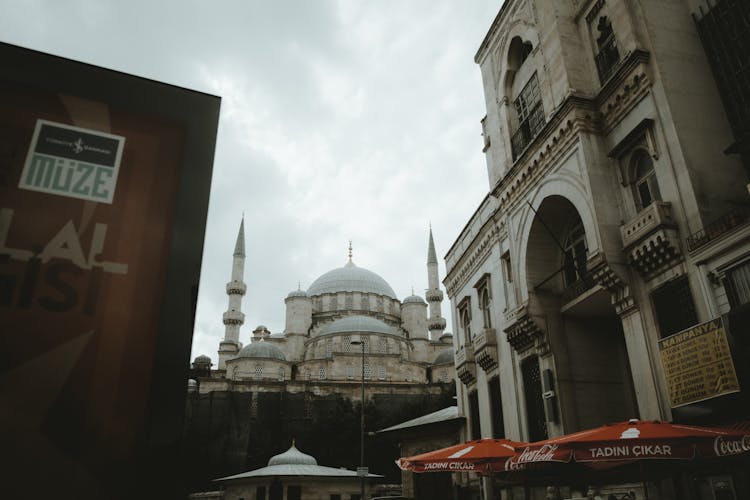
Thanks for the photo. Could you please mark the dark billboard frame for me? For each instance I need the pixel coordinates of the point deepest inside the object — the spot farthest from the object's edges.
(156, 454)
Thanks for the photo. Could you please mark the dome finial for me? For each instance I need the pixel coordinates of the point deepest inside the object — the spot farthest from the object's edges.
(350, 250)
(412, 289)
(293, 443)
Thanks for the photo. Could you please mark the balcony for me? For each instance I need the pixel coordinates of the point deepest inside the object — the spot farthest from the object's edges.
(465, 366)
(485, 348)
(651, 239)
(523, 332)
(233, 318)
(722, 226)
(236, 288)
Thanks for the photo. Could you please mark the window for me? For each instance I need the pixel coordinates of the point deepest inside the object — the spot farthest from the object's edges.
(381, 372)
(507, 269)
(530, 113)
(349, 371)
(383, 346)
(737, 284)
(308, 374)
(645, 186)
(607, 56)
(466, 323)
(574, 258)
(322, 373)
(294, 492)
(365, 343)
(474, 422)
(329, 347)
(347, 343)
(496, 407)
(368, 370)
(484, 305)
(258, 371)
(281, 373)
(673, 303)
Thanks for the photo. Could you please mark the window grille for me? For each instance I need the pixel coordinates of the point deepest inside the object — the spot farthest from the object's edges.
(383, 346)
(574, 259)
(645, 185)
(532, 388)
(368, 370)
(381, 372)
(258, 371)
(365, 343)
(329, 347)
(322, 373)
(347, 343)
(530, 114)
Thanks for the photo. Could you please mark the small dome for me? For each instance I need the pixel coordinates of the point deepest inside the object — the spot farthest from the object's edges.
(414, 299)
(357, 323)
(261, 350)
(443, 357)
(202, 359)
(297, 293)
(292, 456)
(351, 278)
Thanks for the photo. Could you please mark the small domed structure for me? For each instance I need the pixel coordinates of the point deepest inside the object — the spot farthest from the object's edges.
(292, 456)
(444, 357)
(261, 350)
(414, 299)
(297, 293)
(357, 323)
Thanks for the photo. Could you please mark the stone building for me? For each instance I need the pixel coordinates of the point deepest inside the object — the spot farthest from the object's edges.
(302, 382)
(614, 218)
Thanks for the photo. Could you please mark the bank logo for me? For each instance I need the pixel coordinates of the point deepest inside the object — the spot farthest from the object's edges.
(72, 161)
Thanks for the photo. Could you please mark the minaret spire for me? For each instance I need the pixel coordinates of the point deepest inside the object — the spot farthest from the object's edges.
(236, 288)
(434, 296)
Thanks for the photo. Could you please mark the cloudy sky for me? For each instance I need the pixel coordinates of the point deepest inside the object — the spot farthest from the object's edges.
(340, 120)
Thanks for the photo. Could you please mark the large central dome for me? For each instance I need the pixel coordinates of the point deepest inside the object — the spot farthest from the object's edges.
(350, 278)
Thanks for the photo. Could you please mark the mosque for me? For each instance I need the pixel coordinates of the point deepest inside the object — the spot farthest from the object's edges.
(305, 382)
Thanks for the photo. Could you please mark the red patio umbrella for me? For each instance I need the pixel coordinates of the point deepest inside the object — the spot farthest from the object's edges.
(477, 455)
(632, 441)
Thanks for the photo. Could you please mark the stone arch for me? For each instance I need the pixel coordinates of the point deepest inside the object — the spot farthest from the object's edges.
(574, 194)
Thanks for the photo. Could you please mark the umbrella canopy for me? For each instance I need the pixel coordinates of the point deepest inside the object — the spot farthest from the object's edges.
(634, 440)
(477, 455)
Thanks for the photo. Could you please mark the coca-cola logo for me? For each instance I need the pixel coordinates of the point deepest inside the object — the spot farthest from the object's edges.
(731, 446)
(543, 454)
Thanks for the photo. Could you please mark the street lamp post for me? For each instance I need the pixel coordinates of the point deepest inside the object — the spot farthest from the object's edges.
(362, 471)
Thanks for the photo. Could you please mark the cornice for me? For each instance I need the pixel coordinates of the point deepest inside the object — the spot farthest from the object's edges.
(475, 255)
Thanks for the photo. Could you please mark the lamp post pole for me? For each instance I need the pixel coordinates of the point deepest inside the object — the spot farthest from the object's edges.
(360, 341)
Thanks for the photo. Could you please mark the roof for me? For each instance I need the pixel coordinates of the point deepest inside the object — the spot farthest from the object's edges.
(414, 299)
(444, 357)
(351, 278)
(357, 323)
(261, 350)
(292, 456)
(296, 470)
(444, 415)
(239, 246)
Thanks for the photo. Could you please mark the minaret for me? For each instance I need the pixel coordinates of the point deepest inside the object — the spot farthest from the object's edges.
(233, 318)
(434, 296)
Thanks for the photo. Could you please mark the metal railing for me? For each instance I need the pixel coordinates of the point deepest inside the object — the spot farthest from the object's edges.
(721, 226)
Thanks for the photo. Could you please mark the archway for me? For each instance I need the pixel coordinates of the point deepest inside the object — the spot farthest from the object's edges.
(585, 336)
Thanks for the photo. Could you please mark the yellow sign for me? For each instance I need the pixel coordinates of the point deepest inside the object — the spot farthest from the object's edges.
(698, 364)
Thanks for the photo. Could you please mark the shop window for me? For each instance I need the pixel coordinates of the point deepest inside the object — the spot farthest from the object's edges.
(645, 186)
(574, 258)
(607, 55)
(532, 389)
(737, 284)
(674, 306)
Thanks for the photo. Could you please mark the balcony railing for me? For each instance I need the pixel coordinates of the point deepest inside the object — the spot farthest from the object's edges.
(528, 130)
(721, 226)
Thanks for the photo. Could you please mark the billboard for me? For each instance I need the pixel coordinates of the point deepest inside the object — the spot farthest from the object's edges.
(698, 364)
(104, 184)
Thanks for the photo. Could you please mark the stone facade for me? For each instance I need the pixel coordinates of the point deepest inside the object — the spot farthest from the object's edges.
(613, 218)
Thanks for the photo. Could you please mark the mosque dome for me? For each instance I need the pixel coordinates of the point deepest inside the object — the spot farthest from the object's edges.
(292, 456)
(351, 278)
(356, 323)
(261, 350)
(414, 299)
(445, 356)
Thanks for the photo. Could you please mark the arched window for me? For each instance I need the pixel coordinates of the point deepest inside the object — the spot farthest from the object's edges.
(645, 185)
(466, 323)
(484, 305)
(574, 259)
